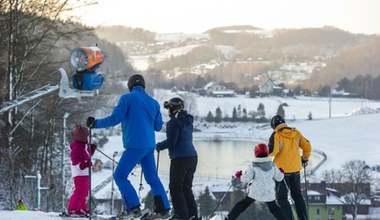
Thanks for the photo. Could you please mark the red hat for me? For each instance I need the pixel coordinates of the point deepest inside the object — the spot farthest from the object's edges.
(80, 133)
(261, 150)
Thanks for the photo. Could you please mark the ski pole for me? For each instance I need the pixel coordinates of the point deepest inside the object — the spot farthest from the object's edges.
(158, 160)
(220, 201)
(89, 174)
(113, 160)
(307, 198)
(141, 185)
(106, 155)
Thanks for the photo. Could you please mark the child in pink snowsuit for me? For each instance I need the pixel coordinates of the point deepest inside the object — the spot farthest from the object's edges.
(80, 163)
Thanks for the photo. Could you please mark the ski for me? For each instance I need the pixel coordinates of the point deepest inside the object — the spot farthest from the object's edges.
(143, 217)
(66, 215)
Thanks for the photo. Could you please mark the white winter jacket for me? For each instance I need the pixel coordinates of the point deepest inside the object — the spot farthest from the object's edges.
(261, 176)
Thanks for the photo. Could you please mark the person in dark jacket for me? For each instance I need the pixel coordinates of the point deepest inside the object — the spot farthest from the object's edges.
(184, 159)
(140, 116)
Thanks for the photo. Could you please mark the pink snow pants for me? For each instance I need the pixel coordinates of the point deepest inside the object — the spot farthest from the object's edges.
(79, 196)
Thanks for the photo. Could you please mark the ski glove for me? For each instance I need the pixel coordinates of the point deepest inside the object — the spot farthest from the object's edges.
(92, 149)
(83, 165)
(238, 174)
(304, 161)
(90, 122)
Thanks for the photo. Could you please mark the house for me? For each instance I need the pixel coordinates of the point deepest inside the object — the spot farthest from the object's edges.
(270, 87)
(346, 189)
(323, 202)
(214, 89)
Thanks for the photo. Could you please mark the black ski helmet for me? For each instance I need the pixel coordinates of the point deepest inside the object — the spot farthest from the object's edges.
(135, 80)
(276, 120)
(174, 105)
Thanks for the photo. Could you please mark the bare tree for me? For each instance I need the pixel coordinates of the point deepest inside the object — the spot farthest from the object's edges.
(190, 103)
(31, 39)
(333, 176)
(353, 181)
(356, 173)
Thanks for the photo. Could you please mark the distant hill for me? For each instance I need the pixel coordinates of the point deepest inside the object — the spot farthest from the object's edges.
(246, 55)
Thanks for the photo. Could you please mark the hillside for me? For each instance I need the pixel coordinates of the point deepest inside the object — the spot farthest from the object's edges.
(247, 55)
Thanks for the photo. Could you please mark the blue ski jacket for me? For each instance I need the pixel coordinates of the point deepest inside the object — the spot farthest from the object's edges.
(139, 115)
(179, 136)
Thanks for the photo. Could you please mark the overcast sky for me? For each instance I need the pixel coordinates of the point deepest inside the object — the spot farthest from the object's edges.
(197, 16)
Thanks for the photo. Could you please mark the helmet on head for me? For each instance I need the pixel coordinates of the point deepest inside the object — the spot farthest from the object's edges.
(174, 105)
(135, 80)
(261, 150)
(80, 133)
(276, 120)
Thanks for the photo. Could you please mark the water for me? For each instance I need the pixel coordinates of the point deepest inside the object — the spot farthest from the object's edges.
(216, 159)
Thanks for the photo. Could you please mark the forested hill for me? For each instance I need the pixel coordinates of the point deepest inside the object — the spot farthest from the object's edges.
(246, 55)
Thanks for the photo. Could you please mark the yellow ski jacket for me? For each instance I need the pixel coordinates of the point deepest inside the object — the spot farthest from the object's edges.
(285, 144)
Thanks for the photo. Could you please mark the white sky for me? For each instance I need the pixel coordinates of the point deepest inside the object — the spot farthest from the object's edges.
(196, 16)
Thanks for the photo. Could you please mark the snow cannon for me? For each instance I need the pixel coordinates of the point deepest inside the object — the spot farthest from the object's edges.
(85, 61)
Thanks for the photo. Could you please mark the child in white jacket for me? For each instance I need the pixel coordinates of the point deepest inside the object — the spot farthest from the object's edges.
(261, 176)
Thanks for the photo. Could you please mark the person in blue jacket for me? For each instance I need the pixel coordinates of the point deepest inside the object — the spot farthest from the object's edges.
(140, 116)
(184, 159)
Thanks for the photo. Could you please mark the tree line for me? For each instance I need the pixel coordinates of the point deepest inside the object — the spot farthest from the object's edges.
(36, 42)
(240, 114)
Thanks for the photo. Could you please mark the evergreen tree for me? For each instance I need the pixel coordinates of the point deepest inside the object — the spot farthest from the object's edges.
(244, 114)
(209, 117)
(234, 115)
(238, 111)
(310, 116)
(281, 111)
(218, 115)
(261, 110)
(206, 203)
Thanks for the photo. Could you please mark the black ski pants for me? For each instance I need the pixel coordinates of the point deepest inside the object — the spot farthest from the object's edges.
(293, 183)
(243, 204)
(181, 182)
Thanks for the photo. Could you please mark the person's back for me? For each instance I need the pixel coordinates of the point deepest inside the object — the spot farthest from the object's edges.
(184, 159)
(182, 145)
(21, 206)
(140, 116)
(260, 176)
(284, 145)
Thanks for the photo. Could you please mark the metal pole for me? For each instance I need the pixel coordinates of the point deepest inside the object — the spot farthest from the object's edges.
(220, 201)
(65, 116)
(38, 190)
(307, 198)
(112, 183)
(38, 187)
(330, 107)
(113, 160)
(158, 160)
(89, 175)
